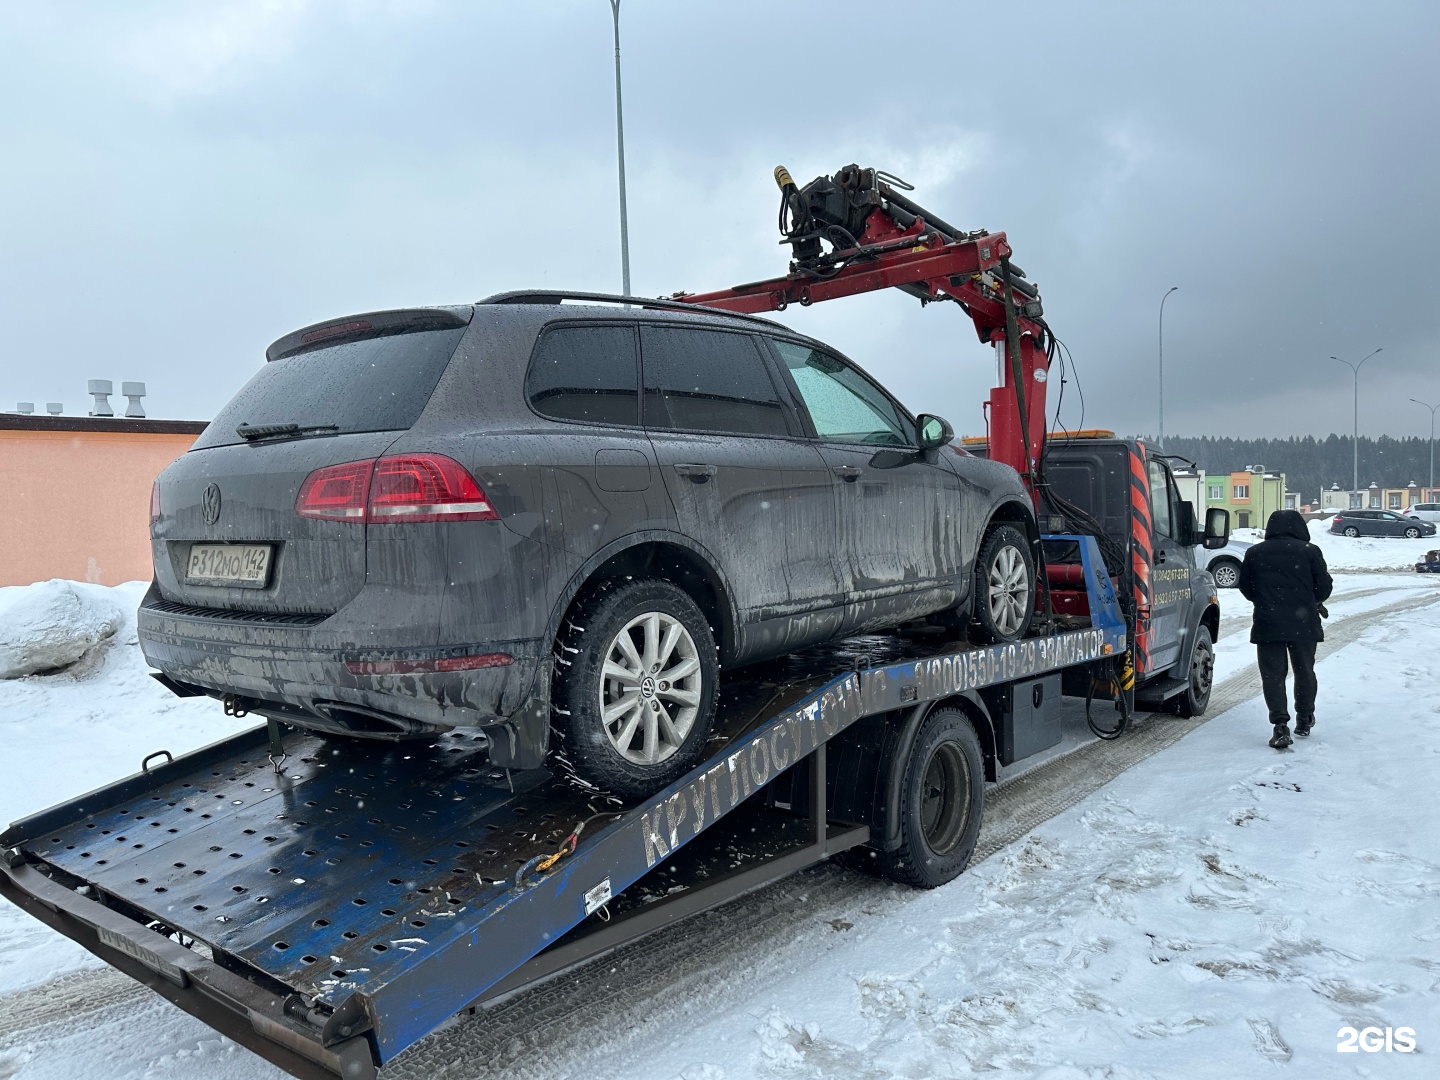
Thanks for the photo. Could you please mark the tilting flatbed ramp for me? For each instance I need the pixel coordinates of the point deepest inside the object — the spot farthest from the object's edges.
(329, 914)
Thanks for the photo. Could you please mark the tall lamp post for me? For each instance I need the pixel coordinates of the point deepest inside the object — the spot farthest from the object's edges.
(620, 146)
(1432, 409)
(1161, 437)
(1355, 437)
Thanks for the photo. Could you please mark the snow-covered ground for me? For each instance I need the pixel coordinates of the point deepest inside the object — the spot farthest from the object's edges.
(1219, 910)
(1360, 553)
(75, 730)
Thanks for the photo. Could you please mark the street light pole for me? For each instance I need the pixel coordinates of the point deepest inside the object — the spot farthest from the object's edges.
(1355, 437)
(620, 146)
(1432, 409)
(1161, 437)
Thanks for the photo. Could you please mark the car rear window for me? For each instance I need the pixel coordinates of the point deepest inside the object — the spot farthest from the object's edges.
(376, 384)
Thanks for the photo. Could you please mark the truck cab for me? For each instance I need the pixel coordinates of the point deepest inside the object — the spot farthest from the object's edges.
(1127, 489)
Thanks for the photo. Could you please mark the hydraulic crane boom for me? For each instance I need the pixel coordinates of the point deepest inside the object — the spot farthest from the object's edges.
(878, 239)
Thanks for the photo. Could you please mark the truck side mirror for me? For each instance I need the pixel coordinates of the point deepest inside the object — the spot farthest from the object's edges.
(1217, 527)
(933, 431)
(1185, 523)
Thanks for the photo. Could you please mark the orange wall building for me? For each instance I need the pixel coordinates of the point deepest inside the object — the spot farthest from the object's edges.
(77, 495)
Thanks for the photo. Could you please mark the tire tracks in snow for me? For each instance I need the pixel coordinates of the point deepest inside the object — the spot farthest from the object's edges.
(679, 972)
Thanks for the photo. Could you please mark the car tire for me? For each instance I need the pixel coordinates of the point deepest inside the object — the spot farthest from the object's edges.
(1412, 532)
(1004, 586)
(1200, 679)
(1226, 573)
(618, 643)
(1351, 531)
(942, 802)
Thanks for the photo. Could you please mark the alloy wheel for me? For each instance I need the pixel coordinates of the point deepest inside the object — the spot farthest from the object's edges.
(1226, 576)
(1009, 591)
(650, 688)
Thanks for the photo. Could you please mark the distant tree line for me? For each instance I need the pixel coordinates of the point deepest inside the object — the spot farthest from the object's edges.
(1310, 463)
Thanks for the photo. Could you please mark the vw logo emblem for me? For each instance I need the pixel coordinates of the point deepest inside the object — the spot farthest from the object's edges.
(210, 504)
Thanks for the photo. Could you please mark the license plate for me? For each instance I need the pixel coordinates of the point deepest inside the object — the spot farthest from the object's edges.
(244, 566)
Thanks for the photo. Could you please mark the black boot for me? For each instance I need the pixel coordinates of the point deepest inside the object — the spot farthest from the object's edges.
(1303, 724)
(1281, 738)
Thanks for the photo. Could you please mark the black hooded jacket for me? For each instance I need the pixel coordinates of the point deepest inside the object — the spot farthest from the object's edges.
(1285, 577)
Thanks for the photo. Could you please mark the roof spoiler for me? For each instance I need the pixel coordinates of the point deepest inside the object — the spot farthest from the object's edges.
(374, 324)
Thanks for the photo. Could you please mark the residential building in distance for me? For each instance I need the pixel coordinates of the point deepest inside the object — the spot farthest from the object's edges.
(1376, 497)
(1251, 495)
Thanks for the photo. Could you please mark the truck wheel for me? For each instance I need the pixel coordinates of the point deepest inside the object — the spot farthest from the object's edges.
(1196, 697)
(942, 800)
(635, 682)
(1004, 585)
(1226, 573)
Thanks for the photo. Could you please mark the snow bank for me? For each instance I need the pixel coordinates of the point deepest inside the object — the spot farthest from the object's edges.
(75, 730)
(52, 624)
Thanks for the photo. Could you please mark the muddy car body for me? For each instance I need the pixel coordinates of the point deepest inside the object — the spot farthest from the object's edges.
(566, 450)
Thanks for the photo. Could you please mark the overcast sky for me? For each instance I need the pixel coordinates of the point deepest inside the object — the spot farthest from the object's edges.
(184, 182)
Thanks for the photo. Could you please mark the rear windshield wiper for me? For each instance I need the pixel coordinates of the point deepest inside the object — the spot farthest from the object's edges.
(255, 432)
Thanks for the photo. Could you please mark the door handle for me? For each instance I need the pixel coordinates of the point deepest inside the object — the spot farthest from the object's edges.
(848, 473)
(698, 473)
(1159, 556)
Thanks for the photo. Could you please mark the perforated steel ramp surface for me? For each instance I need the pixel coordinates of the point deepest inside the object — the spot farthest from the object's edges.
(377, 881)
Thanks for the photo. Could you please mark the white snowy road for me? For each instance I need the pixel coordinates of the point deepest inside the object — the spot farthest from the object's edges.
(1218, 909)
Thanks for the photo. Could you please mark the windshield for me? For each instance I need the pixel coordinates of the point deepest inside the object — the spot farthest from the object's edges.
(378, 384)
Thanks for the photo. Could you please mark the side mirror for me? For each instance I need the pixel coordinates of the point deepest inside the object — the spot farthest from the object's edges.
(1217, 528)
(933, 431)
(1185, 524)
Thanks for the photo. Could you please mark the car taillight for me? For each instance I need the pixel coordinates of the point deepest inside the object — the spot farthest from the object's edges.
(336, 492)
(426, 487)
(154, 502)
(407, 487)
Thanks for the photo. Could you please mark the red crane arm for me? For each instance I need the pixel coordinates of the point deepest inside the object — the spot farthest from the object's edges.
(970, 270)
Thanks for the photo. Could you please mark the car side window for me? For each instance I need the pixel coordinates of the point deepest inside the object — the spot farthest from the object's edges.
(844, 405)
(709, 380)
(586, 373)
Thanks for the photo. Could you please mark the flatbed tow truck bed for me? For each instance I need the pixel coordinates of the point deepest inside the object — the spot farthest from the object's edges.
(329, 912)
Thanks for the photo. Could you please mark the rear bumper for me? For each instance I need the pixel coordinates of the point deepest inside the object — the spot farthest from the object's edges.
(301, 673)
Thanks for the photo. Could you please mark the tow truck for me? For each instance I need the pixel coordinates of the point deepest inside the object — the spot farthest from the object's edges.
(327, 902)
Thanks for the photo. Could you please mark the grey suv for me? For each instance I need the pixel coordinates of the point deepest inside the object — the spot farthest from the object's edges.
(525, 514)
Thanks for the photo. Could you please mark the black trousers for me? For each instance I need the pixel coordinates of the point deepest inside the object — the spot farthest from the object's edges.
(1272, 656)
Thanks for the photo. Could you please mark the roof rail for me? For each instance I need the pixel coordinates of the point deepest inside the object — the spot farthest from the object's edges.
(555, 296)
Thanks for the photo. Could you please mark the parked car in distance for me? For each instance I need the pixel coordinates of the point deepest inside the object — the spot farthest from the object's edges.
(1379, 523)
(1224, 563)
(1428, 511)
(530, 517)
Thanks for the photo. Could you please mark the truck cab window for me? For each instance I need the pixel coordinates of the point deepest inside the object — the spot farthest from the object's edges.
(844, 406)
(1160, 500)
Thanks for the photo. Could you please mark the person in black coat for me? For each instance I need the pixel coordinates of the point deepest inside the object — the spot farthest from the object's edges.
(1286, 578)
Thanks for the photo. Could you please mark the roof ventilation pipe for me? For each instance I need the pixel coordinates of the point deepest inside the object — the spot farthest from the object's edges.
(101, 389)
(25, 408)
(133, 392)
(55, 408)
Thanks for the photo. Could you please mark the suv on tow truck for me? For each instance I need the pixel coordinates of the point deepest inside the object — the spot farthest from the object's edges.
(414, 521)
